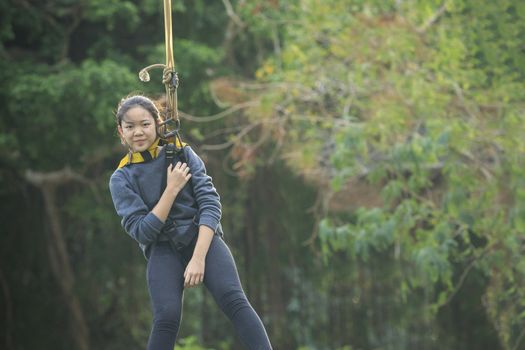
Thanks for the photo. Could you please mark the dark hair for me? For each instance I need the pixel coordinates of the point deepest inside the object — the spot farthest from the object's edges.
(129, 102)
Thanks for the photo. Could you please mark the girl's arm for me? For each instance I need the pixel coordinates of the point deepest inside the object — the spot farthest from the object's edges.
(209, 204)
(194, 273)
(206, 195)
(176, 178)
(163, 206)
(138, 221)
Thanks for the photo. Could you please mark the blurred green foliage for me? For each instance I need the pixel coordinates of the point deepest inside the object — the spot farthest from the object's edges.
(424, 101)
(378, 201)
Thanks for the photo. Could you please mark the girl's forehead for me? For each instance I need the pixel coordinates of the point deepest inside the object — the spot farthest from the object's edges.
(137, 114)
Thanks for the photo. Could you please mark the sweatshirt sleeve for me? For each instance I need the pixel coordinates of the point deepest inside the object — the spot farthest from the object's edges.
(137, 220)
(205, 193)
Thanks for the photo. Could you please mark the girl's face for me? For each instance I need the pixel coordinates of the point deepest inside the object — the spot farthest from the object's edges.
(138, 129)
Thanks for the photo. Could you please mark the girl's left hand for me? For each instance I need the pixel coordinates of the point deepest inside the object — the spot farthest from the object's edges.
(194, 274)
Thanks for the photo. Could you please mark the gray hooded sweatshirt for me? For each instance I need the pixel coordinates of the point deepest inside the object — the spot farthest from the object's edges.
(136, 189)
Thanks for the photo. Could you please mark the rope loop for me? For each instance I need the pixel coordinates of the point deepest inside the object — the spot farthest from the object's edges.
(170, 78)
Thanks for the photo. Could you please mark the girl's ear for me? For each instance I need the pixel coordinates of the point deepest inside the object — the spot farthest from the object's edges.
(122, 140)
(157, 126)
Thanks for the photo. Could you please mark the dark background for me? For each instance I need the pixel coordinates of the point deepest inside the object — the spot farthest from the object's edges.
(368, 154)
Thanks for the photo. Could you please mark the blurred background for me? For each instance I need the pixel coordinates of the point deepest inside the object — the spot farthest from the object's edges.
(369, 155)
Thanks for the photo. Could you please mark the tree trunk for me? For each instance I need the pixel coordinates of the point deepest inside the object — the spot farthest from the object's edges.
(57, 251)
(63, 272)
(272, 233)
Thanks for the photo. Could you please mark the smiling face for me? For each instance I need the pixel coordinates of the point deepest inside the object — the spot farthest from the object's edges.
(138, 129)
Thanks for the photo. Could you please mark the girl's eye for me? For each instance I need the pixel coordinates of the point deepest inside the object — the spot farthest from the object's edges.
(129, 127)
(146, 124)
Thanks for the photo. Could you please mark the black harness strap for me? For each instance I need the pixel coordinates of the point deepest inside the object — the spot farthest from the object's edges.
(170, 154)
(146, 155)
(171, 151)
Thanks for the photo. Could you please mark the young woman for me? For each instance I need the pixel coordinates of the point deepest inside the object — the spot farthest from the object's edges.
(159, 203)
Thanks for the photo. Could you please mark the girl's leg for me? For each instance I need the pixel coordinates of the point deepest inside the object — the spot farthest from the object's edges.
(222, 280)
(165, 283)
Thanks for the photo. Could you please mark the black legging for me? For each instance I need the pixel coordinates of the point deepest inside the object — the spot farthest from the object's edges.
(166, 285)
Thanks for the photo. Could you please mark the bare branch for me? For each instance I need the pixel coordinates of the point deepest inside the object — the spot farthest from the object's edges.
(231, 13)
(54, 178)
(233, 28)
(319, 211)
(518, 341)
(220, 115)
(432, 19)
(222, 131)
(466, 272)
(240, 135)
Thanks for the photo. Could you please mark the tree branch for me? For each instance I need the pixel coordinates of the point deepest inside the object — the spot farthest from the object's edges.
(518, 341)
(240, 135)
(430, 22)
(231, 13)
(465, 274)
(54, 178)
(220, 115)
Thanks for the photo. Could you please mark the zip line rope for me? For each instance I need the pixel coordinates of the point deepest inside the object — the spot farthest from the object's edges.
(170, 126)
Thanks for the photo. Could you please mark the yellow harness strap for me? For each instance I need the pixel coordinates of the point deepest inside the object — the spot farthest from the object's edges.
(140, 157)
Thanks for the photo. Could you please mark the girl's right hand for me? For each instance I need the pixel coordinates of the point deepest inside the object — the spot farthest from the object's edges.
(177, 176)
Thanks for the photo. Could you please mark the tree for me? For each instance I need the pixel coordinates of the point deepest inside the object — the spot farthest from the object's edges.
(423, 101)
